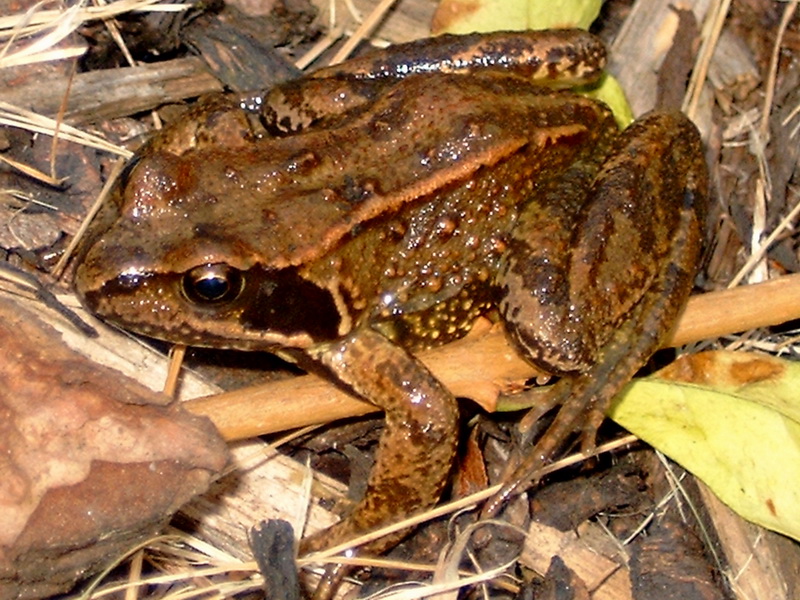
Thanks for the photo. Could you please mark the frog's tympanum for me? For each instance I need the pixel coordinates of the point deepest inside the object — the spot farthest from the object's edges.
(366, 211)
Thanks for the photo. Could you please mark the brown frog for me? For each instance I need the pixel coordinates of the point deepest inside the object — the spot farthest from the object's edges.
(351, 217)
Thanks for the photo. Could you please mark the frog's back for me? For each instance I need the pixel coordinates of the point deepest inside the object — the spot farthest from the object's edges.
(464, 156)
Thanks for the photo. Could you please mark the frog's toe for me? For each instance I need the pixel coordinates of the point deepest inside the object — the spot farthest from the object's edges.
(588, 433)
(581, 402)
(541, 401)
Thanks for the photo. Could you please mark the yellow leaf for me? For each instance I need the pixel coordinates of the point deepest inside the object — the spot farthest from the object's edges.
(732, 419)
(609, 90)
(467, 16)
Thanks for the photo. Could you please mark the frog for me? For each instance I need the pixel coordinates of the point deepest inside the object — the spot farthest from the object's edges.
(366, 211)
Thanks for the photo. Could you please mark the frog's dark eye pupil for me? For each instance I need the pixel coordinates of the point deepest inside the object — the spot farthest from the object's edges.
(212, 284)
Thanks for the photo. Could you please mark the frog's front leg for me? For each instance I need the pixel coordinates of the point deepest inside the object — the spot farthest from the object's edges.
(418, 444)
(595, 301)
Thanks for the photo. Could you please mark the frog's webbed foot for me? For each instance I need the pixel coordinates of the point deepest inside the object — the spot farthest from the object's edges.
(581, 402)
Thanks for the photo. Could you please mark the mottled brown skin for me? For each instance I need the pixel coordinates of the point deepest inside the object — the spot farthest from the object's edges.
(378, 207)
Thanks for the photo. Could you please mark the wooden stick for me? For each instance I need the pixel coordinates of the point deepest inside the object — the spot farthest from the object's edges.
(738, 309)
(482, 365)
(110, 93)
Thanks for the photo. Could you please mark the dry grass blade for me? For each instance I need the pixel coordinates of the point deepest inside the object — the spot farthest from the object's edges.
(676, 483)
(26, 197)
(14, 116)
(98, 203)
(176, 356)
(38, 19)
(20, 58)
(55, 26)
(711, 32)
(769, 94)
(328, 40)
(134, 574)
(447, 569)
(183, 561)
(433, 590)
(44, 29)
(42, 48)
(32, 172)
(366, 27)
(761, 251)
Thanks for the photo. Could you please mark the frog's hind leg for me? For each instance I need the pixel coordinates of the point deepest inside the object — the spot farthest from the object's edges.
(657, 172)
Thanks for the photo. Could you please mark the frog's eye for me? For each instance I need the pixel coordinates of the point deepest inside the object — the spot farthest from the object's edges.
(212, 284)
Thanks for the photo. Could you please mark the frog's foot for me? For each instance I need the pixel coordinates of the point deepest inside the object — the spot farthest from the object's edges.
(581, 402)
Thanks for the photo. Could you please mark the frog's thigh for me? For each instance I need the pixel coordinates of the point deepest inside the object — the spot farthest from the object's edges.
(534, 274)
(642, 224)
(418, 443)
(634, 247)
